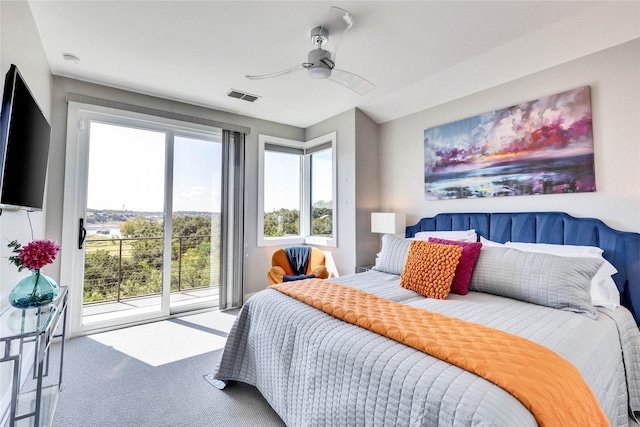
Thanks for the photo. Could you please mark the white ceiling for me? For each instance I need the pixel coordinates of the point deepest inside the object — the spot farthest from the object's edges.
(418, 53)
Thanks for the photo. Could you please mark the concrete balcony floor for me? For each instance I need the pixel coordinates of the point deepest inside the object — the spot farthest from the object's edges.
(109, 310)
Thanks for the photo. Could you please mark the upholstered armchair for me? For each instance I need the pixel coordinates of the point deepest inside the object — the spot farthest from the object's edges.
(295, 263)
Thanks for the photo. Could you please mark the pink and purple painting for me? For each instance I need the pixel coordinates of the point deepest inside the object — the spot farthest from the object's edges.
(538, 147)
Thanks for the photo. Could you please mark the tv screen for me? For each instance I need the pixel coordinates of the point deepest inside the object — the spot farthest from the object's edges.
(24, 146)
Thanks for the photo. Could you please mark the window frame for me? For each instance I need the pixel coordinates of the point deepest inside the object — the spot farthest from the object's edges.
(305, 236)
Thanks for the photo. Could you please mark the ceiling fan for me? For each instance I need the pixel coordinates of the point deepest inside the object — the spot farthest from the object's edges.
(321, 60)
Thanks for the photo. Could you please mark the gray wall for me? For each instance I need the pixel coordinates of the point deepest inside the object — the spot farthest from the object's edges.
(379, 166)
(614, 77)
(344, 255)
(357, 174)
(258, 260)
(367, 188)
(357, 157)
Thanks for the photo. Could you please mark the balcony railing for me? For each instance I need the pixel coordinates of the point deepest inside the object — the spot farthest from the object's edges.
(121, 268)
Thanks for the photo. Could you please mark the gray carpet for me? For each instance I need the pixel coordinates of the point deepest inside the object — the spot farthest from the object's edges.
(153, 375)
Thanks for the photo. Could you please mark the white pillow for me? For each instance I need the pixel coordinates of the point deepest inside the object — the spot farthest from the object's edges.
(487, 242)
(393, 255)
(460, 236)
(604, 292)
(566, 250)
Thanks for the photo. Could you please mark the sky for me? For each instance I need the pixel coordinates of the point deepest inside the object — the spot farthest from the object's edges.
(197, 175)
(126, 171)
(282, 179)
(282, 190)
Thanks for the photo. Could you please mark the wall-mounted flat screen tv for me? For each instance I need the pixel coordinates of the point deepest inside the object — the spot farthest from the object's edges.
(24, 146)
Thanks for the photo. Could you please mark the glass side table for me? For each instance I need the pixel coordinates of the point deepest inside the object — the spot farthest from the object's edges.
(19, 328)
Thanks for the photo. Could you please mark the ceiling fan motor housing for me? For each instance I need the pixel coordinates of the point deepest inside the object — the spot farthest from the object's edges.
(319, 36)
(321, 64)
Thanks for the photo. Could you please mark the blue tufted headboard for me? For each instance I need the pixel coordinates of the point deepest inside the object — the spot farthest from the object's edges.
(622, 249)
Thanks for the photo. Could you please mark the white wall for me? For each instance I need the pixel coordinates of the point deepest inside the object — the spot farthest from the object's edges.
(614, 77)
(20, 45)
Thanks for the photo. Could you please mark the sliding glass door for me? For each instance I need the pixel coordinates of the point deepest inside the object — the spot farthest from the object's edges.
(123, 222)
(196, 222)
(148, 212)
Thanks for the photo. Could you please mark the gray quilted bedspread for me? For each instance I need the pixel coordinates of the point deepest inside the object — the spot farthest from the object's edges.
(316, 370)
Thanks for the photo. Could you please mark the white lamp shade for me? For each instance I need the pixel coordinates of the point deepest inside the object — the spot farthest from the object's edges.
(390, 223)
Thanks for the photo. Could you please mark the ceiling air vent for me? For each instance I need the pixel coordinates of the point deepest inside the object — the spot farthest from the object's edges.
(242, 95)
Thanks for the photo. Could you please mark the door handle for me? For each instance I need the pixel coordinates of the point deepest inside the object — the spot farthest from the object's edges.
(82, 234)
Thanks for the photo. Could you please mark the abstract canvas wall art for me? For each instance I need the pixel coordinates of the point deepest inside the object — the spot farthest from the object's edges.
(538, 147)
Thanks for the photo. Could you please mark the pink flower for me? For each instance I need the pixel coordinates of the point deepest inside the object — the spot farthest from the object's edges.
(38, 253)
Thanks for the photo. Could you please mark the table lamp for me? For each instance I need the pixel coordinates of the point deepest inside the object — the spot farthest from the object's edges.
(388, 222)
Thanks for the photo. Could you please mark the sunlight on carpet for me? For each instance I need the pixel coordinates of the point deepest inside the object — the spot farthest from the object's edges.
(160, 343)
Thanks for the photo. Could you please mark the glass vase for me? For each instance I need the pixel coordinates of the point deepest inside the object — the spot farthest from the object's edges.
(34, 291)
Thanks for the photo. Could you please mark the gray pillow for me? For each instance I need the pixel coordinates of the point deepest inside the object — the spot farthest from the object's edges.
(393, 255)
(544, 279)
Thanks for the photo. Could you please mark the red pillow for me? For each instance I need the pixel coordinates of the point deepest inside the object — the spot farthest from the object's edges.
(464, 270)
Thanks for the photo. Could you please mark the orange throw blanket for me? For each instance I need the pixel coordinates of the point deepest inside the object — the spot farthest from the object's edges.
(546, 384)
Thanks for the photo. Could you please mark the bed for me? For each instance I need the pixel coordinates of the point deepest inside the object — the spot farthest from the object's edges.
(315, 369)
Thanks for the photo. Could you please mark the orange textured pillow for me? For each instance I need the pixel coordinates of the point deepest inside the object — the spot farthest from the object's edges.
(430, 268)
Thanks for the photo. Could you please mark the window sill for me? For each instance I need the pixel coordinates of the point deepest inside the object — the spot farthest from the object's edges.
(320, 241)
(296, 240)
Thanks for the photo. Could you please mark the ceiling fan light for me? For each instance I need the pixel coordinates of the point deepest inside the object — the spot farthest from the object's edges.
(320, 72)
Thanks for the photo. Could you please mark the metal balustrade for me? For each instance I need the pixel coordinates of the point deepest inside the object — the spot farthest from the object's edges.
(118, 269)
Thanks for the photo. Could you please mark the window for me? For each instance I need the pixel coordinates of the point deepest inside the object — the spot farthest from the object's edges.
(321, 190)
(282, 197)
(296, 202)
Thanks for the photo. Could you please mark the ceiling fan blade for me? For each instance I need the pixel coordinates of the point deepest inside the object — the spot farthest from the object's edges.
(336, 23)
(354, 82)
(279, 73)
